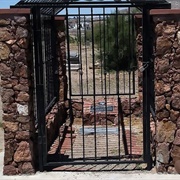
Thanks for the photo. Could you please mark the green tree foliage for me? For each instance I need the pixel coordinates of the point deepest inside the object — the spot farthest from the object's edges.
(115, 40)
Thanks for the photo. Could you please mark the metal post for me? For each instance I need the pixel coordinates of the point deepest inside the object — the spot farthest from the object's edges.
(146, 91)
(55, 63)
(39, 87)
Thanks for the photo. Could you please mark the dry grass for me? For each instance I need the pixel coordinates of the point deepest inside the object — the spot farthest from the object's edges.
(95, 81)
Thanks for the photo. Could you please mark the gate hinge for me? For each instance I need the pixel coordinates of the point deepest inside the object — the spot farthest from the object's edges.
(144, 66)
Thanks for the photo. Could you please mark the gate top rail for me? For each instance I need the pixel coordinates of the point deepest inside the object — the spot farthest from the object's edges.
(55, 6)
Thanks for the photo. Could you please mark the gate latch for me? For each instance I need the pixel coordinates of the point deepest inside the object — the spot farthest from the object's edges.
(144, 66)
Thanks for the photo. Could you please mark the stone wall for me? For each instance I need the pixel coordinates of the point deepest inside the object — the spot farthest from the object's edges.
(61, 53)
(16, 70)
(88, 114)
(165, 129)
(167, 89)
(17, 91)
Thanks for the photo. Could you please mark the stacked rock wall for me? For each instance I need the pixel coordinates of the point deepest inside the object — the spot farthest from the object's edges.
(61, 53)
(17, 91)
(165, 129)
(167, 90)
(16, 69)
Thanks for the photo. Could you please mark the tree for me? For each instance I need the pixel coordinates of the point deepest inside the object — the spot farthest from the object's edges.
(115, 40)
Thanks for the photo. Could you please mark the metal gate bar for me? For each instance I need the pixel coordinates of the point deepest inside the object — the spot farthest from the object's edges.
(103, 87)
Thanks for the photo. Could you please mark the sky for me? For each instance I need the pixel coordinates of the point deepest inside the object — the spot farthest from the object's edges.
(5, 4)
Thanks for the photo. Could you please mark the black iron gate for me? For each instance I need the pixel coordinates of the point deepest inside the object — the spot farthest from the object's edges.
(106, 124)
(45, 74)
(104, 45)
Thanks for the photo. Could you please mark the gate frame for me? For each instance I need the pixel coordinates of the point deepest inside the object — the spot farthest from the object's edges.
(52, 8)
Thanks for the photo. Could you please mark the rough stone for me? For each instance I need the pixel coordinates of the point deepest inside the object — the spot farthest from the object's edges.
(165, 131)
(26, 126)
(176, 62)
(23, 119)
(22, 135)
(9, 152)
(20, 56)
(176, 77)
(21, 71)
(15, 48)
(176, 101)
(163, 153)
(176, 89)
(6, 71)
(23, 152)
(160, 167)
(177, 138)
(167, 88)
(178, 122)
(162, 114)
(21, 32)
(6, 84)
(9, 135)
(20, 87)
(171, 170)
(175, 44)
(9, 170)
(9, 108)
(159, 86)
(163, 46)
(4, 51)
(177, 51)
(77, 106)
(174, 115)
(159, 29)
(22, 97)
(169, 30)
(177, 165)
(4, 22)
(21, 20)
(160, 102)
(5, 35)
(7, 96)
(162, 66)
(23, 43)
(175, 153)
(10, 126)
(8, 117)
(27, 168)
(162, 88)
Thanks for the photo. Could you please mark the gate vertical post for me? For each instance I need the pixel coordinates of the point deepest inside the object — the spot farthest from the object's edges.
(39, 87)
(55, 61)
(146, 87)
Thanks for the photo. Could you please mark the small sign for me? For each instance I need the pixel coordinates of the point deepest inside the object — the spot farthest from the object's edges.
(101, 107)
